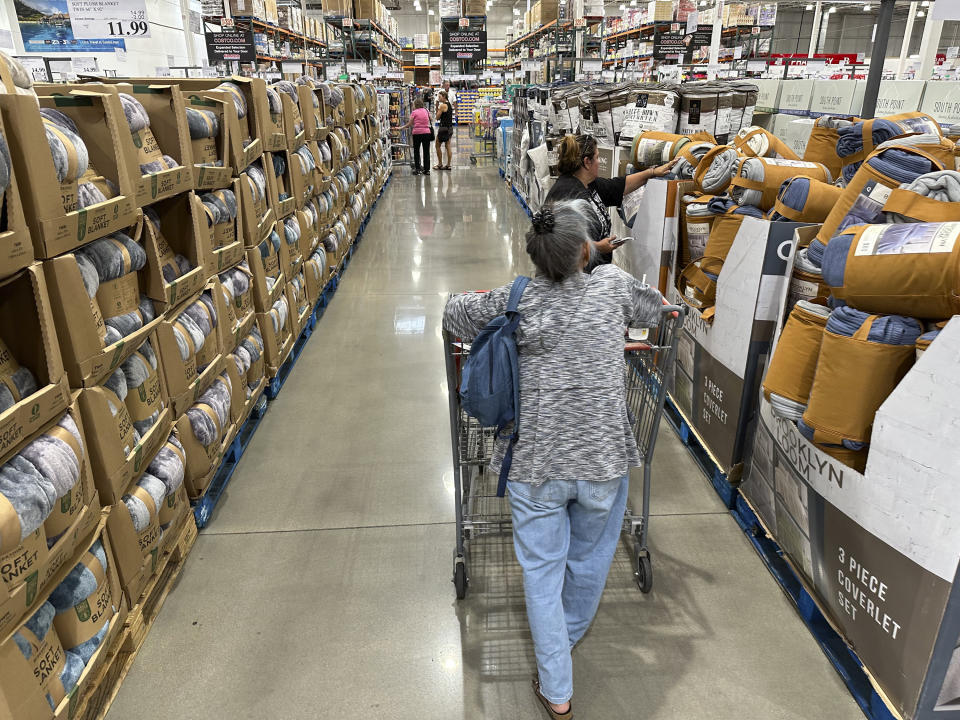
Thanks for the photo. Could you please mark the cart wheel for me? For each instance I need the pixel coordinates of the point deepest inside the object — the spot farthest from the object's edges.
(473, 160)
(460, 581)
(644, 573)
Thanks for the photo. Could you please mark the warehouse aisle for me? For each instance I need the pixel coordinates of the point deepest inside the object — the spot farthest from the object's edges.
(321, 588)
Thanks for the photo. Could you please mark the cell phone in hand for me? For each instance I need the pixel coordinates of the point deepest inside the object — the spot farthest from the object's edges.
(617, 242)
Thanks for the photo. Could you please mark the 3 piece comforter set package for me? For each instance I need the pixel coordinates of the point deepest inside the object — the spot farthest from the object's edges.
(161, 248)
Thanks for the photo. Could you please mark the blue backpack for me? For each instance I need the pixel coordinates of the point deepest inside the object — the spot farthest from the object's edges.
(490, 381)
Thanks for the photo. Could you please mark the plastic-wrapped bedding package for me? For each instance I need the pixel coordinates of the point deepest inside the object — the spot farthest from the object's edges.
(144, 398)
(204, 126)
(38, 635)
(716, 169)
(706, 107)
(172, 265)
(210, 416)
(32, 481)
(16, 381)
(790, 373)
(193, 326)
(690, 156)
(279, 169)
(803, 199)
(891, 165)
(822, 143)
(220, 208)
(290, 90)
(855, 142)
(138, 120)
(109, 269)
(252, 347)
(629, 110)
(743, 104)
(862, 359)
(73, 598)
(758, 142)
(652, 148)
(758, 179)
(697, 218)
(909, 269)
(930, 198)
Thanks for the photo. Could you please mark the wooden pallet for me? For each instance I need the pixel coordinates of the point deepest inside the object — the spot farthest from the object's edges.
(104, 689)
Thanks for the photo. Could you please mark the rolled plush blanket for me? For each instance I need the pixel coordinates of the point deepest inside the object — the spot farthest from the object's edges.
(204, 313)
(274, 102)
(278, 313)
(257, 181)
(937, 188)
(78, 586)
(188, 335)
(716, 169)
(36, 477)
(144, 502)
(291, 230)
(239, 101)
(16, 381)
(138, 369)
(850, 141)
(210, 416)
(790, 373)
(803, 199)
(21, 77)
(69, 152)
(862, 358)
(168, 465)
(758, 180)
(139, 122)
(114, 256)
(32, 635)
(758, 142)
(290, 90)
(236, 282)
(202, 123)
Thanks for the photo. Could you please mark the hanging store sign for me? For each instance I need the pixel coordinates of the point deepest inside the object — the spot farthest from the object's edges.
(466, 44)
(97, 19)
(234, 44)
(50, 29)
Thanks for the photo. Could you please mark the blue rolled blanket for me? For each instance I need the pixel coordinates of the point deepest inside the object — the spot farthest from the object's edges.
(850, 141)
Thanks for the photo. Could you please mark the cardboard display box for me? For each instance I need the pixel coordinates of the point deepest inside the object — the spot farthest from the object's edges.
(185, 381)
(56, 223)
(178, 234)
(27, 330)
(280, 187)
(261, 267)
(238, 391)
(303, 183)
(167, 134)
(16, 248)
(316, 280)
(108, 434)
(208, 151)
(300, 307)
(239, 309)
(315, 119)
(79, 325)
(277, 344)
(31, 570)
(221, 244)
(293, 116)
(292, 256)
(270, 125)
(878, 550)
(259, 217)
(719, 362)
(25, 684)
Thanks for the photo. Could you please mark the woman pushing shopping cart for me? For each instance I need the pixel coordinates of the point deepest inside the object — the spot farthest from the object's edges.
(568, 478)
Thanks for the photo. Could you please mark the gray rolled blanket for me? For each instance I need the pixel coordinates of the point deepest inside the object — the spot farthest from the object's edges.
(140, 512)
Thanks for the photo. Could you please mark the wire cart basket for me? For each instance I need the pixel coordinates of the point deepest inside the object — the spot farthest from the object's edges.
(648, 367)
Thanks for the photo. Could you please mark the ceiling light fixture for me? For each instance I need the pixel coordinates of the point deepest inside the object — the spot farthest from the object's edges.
(703, 3)
(833, 9)
(430, 11)
(925, 3)
(920, 13)
(516, 11)
(633, 3)
(866, 8)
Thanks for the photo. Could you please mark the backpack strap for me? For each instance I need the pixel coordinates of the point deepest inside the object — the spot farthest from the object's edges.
(516, 292)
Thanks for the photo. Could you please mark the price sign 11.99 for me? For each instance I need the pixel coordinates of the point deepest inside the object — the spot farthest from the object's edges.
(98, 19)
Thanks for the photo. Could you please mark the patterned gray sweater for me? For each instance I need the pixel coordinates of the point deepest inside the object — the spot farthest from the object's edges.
(573, 413)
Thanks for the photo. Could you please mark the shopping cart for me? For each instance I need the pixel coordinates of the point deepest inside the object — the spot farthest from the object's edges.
(649, 364)
(486, 120)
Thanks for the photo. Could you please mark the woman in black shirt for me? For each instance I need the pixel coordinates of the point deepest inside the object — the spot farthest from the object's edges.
(577, 163)
(444, 131)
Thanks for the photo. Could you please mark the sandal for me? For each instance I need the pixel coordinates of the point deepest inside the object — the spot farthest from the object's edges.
(446, 167)
(554, 715)
(438, 167)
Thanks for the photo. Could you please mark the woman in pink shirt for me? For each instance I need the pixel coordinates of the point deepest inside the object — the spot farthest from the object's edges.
(420, 122)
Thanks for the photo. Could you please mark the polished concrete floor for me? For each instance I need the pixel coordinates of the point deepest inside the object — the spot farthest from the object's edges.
(321, 588)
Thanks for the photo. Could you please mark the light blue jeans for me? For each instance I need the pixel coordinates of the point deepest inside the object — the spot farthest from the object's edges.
(565, 534)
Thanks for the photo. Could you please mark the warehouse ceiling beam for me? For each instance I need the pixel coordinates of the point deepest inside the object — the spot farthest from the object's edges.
(905, 45)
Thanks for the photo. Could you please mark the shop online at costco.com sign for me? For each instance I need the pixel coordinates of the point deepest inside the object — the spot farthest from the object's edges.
(464, 43)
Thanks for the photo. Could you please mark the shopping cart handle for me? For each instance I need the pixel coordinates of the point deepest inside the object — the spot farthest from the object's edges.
(674, 310)
(637, 347)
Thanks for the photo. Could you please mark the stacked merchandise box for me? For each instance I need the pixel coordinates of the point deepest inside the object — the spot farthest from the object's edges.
(851, 454)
